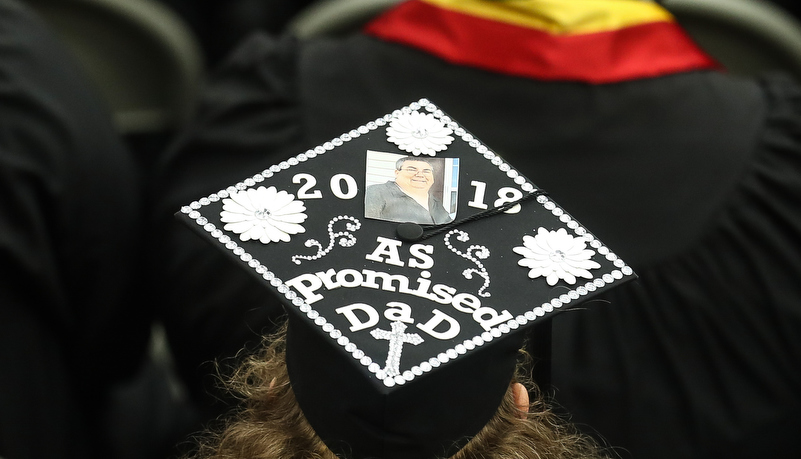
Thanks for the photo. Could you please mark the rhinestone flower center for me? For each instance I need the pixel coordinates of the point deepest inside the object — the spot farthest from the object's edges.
(263, 214)
(557, 256)
(420, 133)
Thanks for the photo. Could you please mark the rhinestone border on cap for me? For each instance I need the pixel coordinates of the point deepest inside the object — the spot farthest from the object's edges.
(468, 345)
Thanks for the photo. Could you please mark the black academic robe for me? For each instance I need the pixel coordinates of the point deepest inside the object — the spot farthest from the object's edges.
(71, 323)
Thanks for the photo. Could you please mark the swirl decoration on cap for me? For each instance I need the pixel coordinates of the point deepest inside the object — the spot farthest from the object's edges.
(474, 253)
(346, 239)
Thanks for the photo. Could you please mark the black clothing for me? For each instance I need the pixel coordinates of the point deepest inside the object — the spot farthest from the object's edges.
(789, 6)
(386, 201)
(70, 322)
(220, 24)
(694, 178)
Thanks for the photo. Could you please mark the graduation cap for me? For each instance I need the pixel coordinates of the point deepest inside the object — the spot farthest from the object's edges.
(410, 259)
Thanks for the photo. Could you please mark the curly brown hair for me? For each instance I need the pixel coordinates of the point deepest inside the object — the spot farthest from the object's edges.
(270, 424)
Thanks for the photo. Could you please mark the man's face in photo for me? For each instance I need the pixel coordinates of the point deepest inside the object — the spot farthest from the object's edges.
(415, 176)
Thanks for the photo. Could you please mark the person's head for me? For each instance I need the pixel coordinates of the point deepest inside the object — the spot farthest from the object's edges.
(414, 175)
(271, 424)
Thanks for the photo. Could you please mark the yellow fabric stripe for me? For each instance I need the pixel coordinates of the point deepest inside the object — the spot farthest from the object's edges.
(562, 17)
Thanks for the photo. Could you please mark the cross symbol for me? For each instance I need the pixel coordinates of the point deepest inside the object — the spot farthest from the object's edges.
(396, 338)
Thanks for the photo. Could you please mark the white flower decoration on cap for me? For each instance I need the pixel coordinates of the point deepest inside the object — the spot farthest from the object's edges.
(263, 214)
(556, 255)
(419, 133)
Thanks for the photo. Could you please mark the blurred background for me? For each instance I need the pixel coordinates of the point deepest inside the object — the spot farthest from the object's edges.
(148, 60)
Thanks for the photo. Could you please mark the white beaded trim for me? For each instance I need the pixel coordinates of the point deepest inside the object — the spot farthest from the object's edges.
(468, 345)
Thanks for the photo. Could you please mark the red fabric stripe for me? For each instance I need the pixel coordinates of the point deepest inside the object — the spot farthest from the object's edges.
(640, 51)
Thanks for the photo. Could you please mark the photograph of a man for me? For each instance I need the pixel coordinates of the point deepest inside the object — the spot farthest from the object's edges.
(409, 196)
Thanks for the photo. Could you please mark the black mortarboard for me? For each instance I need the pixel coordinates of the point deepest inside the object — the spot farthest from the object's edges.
(410, 259)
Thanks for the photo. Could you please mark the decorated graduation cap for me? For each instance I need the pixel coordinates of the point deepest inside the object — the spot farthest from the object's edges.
(411, 259)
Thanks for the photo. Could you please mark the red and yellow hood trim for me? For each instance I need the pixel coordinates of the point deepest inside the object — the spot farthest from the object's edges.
(594, 41)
